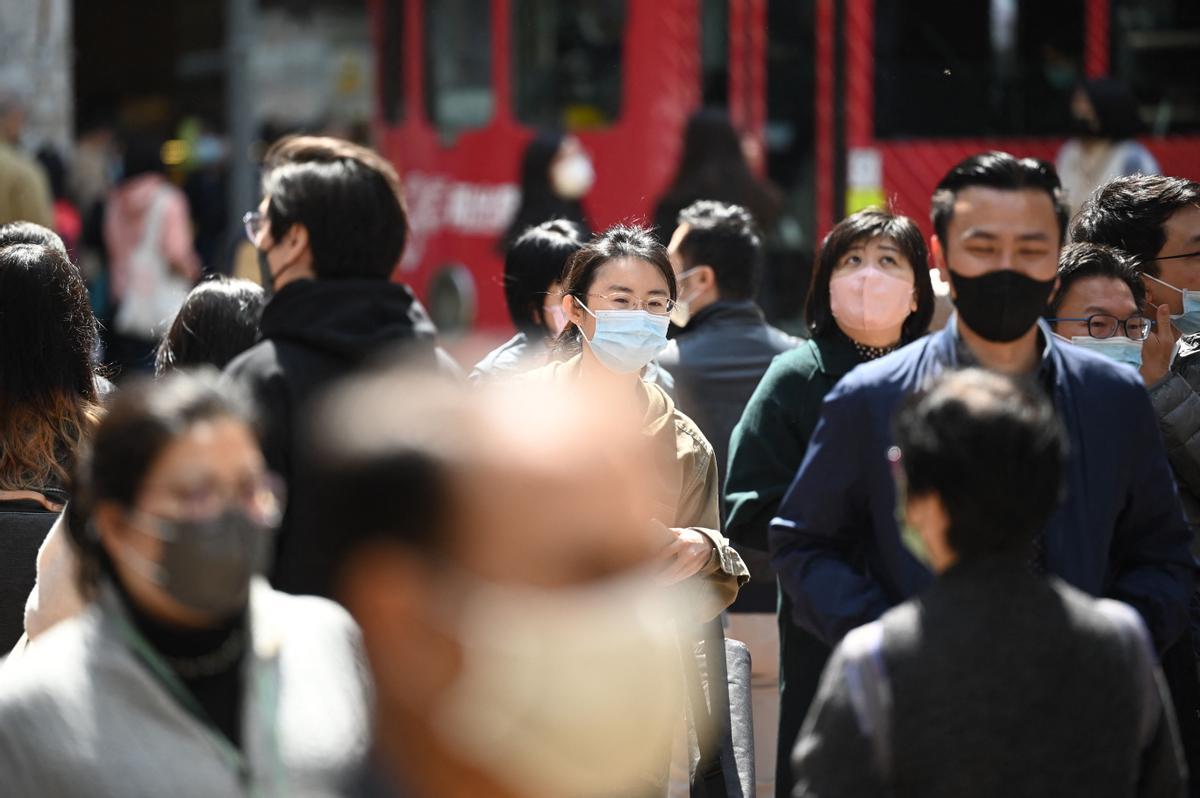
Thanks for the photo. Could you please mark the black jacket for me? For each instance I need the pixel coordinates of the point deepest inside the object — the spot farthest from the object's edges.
(314, 332)
(1001, 683)
(23, 526)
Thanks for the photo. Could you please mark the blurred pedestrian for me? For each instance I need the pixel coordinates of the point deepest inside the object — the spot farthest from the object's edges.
(48, 404)
(533, 267)
(185, 675)
(713, 166)
(1107, 121)
(152, 264)
(870, 293)
(939, 696)
(67, 221)
(24, 193)
(494, 552)
(1120, 533)
(329, 233)
(556, 174)
(218, 321)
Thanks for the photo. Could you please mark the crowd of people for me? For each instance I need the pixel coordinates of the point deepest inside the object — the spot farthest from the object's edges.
(649, 546)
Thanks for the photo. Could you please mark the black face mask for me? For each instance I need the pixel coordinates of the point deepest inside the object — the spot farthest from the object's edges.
(264, 273)
(1000, 306)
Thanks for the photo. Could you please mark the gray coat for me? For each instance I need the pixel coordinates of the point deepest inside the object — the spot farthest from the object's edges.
(1177, 405)
(82, 714)
(993, 682)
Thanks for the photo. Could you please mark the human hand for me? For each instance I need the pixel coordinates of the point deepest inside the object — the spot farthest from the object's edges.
(686, 553)
(1158, 348)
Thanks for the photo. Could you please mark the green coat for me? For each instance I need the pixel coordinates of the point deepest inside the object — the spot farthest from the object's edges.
(770, 441)
(765, 452)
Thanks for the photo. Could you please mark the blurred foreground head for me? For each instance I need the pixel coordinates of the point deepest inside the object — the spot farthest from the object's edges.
(492, 552)
(967, 446)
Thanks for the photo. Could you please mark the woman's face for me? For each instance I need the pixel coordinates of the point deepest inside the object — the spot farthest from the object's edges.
(621, 284)
(214, 466)
(882, 253)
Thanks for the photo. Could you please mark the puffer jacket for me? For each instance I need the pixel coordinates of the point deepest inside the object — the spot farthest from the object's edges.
(1177, 406)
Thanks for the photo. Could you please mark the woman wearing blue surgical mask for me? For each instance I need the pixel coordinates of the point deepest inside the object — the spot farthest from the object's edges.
(618, 293)
(185, 661)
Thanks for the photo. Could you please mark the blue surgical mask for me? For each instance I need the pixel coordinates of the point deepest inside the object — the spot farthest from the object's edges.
(1187, 322)
(626, 340)
(1118, 348)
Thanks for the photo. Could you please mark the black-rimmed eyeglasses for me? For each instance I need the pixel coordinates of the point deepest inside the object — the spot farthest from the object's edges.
(1102, 325)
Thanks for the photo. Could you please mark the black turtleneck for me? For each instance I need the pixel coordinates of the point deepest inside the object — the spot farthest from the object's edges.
(207, 661)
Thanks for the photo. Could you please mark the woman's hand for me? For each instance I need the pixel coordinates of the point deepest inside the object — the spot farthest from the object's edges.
(686, 553)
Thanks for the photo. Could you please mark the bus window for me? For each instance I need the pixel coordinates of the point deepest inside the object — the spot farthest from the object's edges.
(1156, 50)
(945, 68)
(458, 64)
(391, 62)
(567, 62)
(714, 52)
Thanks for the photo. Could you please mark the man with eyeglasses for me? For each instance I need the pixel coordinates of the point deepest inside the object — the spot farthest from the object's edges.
(1155, 220)
(1097, 305)
(329, 233)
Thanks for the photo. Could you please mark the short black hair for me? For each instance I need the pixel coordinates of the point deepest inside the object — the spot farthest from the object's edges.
(1129, 213)
(217, 322)
(1079, 261)
(534, 261)
(346, 196)
(992, 449)
(998, 170)
(860, 227)
(725, 237)
(30, 233)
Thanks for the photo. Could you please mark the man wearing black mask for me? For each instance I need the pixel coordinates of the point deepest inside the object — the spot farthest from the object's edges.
(1118, 531)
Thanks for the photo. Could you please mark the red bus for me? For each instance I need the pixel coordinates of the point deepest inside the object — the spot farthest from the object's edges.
(854, 102)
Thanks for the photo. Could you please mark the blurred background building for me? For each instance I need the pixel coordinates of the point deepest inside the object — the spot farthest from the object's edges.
(838, 103)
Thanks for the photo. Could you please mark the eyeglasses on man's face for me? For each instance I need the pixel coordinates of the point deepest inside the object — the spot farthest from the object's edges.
(252, 223)
(1103, 325)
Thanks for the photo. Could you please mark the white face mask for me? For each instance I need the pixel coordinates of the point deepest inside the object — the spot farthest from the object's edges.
(566, 692)
(626, 340)
(681, 314)
(1187, 322)
(572, 177)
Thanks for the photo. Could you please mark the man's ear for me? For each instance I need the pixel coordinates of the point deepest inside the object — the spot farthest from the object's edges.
(938, 255)
(1150, 286)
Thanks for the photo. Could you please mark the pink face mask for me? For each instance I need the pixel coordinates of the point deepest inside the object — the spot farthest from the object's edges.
(870, 299)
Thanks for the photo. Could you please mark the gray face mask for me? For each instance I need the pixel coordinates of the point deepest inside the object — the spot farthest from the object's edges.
(207, 563)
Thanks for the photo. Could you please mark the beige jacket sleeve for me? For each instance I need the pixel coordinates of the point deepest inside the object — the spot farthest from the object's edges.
(699, 509)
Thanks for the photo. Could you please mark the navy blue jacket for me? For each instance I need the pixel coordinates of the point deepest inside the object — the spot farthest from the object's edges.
(1119, 532)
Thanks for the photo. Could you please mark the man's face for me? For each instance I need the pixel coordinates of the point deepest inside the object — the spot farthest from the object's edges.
(673, 249)
(994, 230)
(1182, 238)
(1089, 296)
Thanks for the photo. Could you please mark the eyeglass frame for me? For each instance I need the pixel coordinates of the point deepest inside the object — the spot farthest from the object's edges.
(252, 225)
(640, 304)
(1121, 324)
(1181, 256)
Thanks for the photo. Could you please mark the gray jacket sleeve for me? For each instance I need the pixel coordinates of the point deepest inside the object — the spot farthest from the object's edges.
(836, 755)
(1177, 407)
